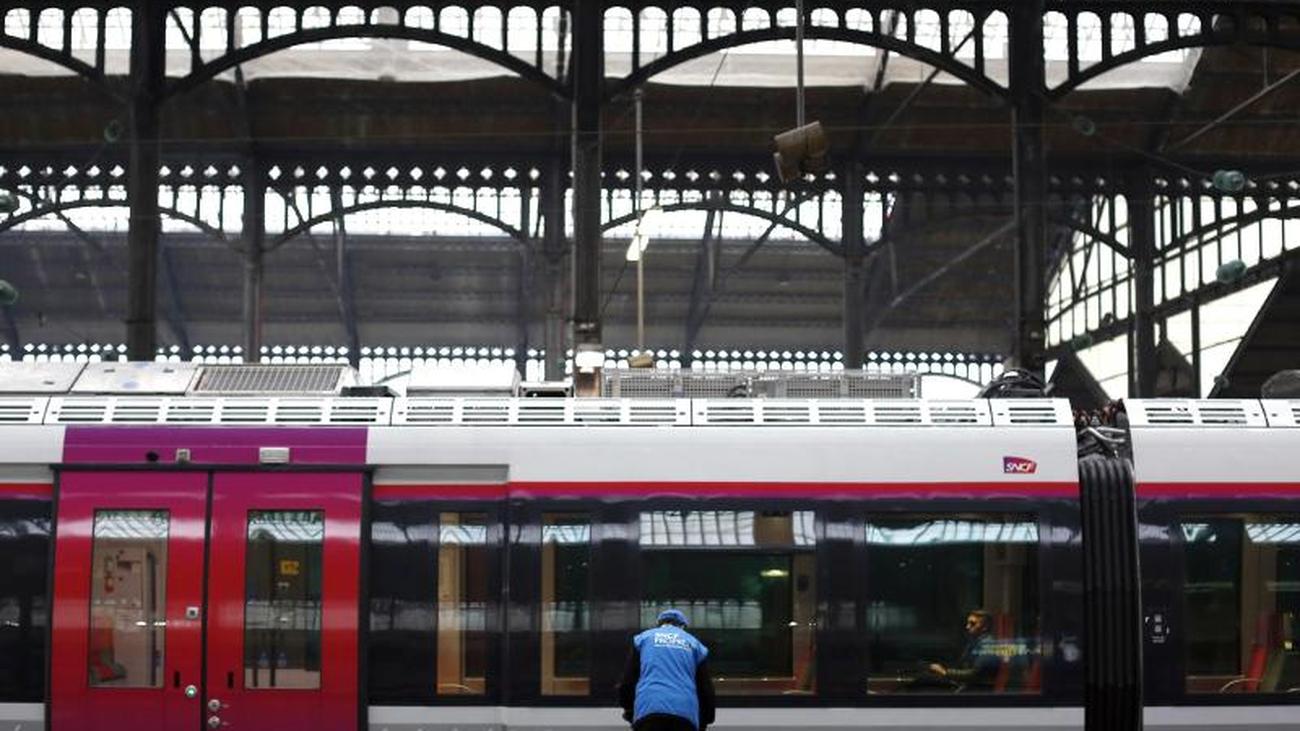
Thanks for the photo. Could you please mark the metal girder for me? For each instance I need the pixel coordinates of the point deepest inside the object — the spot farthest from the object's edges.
(254, 252)
(855, 293)
(1142, 245)
(1030, 172)
(554, 249)
(148, 65)
(587, 84)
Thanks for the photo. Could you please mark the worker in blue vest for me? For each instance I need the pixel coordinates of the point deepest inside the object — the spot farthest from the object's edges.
(666, 685)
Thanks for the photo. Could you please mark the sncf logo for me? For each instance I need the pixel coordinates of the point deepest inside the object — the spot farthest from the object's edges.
(1018, 466)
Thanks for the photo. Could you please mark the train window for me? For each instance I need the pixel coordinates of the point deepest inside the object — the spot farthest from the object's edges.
(403, 611)
(746, 581)
(566, 549)
(1241, 599)
(24, 613)
(952, 604)
(463, 599)
(282, 599)
(128, 598)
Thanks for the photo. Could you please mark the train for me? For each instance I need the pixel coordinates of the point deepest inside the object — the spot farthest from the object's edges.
(183, 558)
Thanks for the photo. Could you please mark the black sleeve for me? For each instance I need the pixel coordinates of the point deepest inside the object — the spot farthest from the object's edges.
(627, 688)
(704, 690)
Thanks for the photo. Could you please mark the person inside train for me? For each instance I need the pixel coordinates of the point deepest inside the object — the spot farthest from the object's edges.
(666, 684)
(978, 665)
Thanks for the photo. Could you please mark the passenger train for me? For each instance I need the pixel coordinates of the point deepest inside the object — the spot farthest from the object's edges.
(178, 558)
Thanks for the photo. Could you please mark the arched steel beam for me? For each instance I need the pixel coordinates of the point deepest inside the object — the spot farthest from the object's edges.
(1202, 40)
(211, 69)
(67, 61)
(304, 226)
(863, 38)
(51, 209)
(814, 236)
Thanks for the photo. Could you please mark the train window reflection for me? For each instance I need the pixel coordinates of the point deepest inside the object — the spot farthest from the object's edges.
(746, 580)
(953, 605)
(1241, 598)
(566, 548)
(282, 602)
(463, 573)
(128, 598)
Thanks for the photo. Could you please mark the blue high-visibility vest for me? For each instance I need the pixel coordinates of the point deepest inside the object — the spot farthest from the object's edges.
(669, 658)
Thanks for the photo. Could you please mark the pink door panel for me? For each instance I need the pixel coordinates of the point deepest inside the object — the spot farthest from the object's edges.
(284, 578)
(128, 596)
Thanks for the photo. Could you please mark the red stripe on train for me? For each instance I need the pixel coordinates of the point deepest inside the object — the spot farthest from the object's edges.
(866, 490)
(26, 491)
(1231, 490)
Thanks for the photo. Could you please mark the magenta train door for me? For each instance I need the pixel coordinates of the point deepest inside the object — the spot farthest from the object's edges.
(258, 573)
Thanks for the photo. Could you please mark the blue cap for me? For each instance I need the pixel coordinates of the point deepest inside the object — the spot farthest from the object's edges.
(673, 615)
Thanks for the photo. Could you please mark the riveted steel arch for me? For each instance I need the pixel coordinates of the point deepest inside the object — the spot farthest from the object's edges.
(875, 27)
(1218, 23)
(211, 69)
(812, 235)
(336, 214)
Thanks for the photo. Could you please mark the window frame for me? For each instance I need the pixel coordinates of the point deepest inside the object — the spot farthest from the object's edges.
(428, 509)
(1170, 671)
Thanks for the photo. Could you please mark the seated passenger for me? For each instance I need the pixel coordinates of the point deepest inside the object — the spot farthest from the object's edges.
(977, 667)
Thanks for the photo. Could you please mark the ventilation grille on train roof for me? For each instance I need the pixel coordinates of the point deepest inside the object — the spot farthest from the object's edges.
(1188, 412)
(1031, 412)
(540, 412)
(214, 411)
(252, 380)
(1282, 413)
(23, 410)
(774, 412)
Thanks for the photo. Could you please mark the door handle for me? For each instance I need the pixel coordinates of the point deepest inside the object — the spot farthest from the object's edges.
(215, 705)
(191, 691)
(214, 722)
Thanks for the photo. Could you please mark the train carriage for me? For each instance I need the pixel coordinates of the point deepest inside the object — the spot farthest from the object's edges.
(332, 562)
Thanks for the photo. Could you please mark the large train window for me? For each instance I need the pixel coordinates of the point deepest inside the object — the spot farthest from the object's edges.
(565, 606)
(433, 580)
(1241, 599)
(463, 600)
(953, 604)
(746, 581)
(128, 598)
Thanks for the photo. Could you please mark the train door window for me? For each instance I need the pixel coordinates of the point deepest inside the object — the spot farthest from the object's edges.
(128, 598)
(282, 599)
(746, 581)
(953, 604)
(1241, 599)
(463, 600)
(565, 605)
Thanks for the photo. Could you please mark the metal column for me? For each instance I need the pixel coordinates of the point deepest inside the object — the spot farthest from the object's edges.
(588, 74)
(1142, 244)
(254, 235)
(854, 279)
(554, 248)
(1028, 90)
(147, 66)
